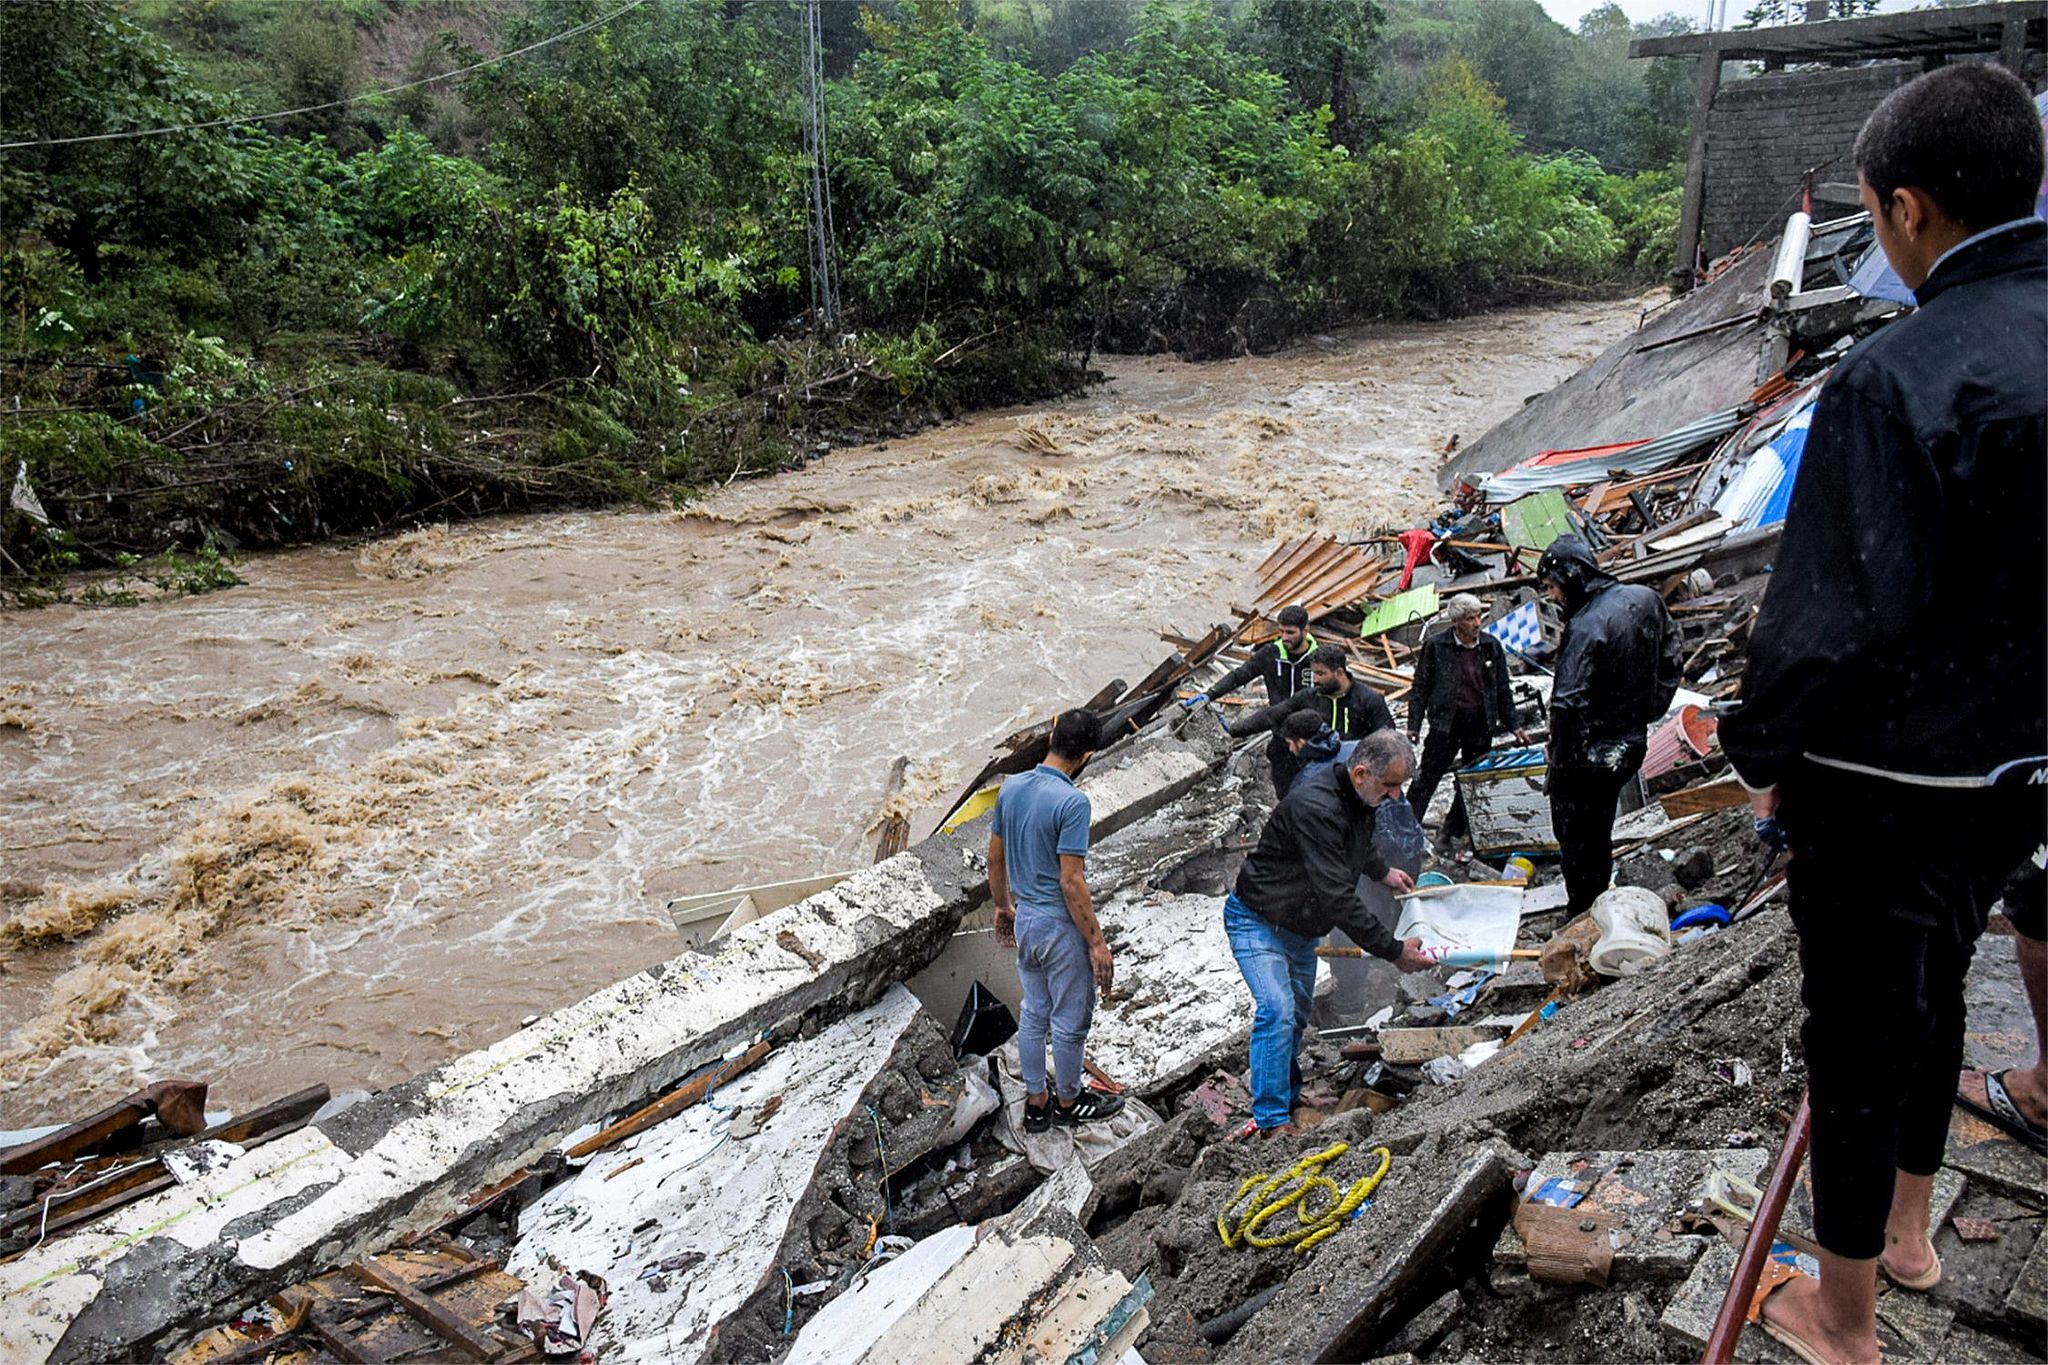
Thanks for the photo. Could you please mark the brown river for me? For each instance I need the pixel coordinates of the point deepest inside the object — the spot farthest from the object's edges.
(376, 806)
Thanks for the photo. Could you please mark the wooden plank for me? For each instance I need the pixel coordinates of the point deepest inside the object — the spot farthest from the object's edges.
(1406, 1046)
(340, 1344)
(895, 824)
(174, 1098)
(671, 1104)
(436, 1318)
(1725, 794)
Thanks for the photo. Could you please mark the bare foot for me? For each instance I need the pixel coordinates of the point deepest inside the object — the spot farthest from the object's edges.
(1908, 1258)
(1797, 1309)
(2028, 1087)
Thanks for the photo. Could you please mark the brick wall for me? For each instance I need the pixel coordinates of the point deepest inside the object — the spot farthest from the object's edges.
(1763, 133)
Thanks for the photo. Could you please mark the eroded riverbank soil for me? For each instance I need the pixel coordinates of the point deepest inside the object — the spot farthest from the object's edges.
(379, 804)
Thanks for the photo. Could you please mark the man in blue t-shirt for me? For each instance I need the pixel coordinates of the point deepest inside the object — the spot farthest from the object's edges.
(1037, 877)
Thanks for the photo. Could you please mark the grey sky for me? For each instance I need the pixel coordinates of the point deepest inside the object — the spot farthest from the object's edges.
(1568, 12)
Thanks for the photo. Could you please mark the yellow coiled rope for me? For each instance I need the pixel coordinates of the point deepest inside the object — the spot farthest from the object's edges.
(1270, 1194)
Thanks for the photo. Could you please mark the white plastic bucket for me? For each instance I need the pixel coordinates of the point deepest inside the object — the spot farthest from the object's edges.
(1634, 931)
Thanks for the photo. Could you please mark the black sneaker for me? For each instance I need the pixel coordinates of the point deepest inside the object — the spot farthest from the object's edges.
(1087, 1107)
(1037, 1118)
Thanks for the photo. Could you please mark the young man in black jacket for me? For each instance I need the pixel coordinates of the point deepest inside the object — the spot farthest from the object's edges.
(1461, 688)
(1348, 706)
(1282, 664)
(1617, 670)
(1299, 884)
(1892, 718)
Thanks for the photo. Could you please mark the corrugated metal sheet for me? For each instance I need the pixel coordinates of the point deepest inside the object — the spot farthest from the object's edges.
(1598, 462)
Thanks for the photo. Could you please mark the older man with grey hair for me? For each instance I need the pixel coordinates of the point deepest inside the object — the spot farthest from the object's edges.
(1300, 883)
(1461, 688)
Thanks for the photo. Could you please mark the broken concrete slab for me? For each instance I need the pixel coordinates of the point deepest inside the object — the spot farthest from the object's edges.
(1995, 1159)
(1689, 1317)
(1028, 1286)
(1639, 1193)
(404, 1159)
(2028, 1300)
(1336, 1305)
(688, 1188)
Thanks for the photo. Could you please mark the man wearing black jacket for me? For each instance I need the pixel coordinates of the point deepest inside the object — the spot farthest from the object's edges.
(1282, 664)
(1891, 717)
(1461, 688)
(1299, 884)
(1348, 706)
(1617, 670)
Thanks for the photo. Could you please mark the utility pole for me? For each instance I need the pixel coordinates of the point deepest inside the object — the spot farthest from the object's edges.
(824, 271)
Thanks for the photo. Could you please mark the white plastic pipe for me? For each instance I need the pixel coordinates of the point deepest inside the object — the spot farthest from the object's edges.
(1790, 269)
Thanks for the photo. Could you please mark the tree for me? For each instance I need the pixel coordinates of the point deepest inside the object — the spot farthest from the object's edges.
(1325, 51)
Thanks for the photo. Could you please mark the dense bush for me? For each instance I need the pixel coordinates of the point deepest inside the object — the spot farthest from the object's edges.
(584, 274)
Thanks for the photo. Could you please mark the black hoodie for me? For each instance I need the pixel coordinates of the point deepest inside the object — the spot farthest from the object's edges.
(1620, 663)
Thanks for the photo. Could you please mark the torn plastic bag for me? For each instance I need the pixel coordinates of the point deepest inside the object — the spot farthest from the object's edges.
(985, 1023)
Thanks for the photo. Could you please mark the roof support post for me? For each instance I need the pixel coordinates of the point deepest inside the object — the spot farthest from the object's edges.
(1708, 85)
(2012, 46)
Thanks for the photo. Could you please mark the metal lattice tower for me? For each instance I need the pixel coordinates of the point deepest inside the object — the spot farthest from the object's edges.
(824, 265)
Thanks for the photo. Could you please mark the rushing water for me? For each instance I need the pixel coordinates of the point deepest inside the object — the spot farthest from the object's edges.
(376, 806)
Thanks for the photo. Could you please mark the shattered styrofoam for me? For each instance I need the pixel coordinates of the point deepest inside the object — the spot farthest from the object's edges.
(685, 1188)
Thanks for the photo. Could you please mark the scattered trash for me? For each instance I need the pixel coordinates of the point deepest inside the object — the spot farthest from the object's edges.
(1635, 932)
(1735, 1071)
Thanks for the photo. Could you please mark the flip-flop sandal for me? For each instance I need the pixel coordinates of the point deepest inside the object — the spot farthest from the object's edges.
(2003, 1112)
(1920, 1283)
(1775, 1277)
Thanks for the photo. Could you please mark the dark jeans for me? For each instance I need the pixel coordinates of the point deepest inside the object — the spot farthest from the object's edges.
(1466, 740)
(1582, 801)
(1891, 885)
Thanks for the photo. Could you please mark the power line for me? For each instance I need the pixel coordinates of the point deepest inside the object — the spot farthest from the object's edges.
(565, 34)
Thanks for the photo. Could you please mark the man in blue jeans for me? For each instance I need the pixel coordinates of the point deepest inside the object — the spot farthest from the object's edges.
(1299, 884)
(1038, 879)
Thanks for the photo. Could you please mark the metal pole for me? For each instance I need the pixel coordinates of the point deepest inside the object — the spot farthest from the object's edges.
(824, 288)
(1763, 1230)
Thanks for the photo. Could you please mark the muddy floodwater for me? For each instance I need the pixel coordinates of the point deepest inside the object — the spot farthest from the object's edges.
(376, 806)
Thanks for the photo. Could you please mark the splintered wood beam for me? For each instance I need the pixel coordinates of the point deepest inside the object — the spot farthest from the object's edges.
(428, 1312)
(671, 1104)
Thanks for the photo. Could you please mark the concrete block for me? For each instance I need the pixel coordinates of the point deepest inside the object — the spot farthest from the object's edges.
(1798, 1217)
(1639, 1192)
(698, 1187)
(1996, 1161)
(2028, 1299)
(1363, 1274)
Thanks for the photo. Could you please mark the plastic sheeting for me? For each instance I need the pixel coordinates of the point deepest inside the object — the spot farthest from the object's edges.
(1761, 489)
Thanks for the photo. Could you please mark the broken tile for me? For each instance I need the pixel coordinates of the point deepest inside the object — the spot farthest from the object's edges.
(2028, 1300)
(1987, 1154)
(1640, 1192)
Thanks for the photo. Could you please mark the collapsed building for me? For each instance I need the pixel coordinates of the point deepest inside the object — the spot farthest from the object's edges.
(801, 1137)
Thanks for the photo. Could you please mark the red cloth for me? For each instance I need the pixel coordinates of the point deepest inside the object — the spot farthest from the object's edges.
(1418, 543)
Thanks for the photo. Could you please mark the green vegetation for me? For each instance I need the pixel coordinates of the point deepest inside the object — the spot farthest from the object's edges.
(583, 274)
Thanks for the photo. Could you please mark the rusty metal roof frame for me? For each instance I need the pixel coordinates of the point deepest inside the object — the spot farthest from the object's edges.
(1913, 33)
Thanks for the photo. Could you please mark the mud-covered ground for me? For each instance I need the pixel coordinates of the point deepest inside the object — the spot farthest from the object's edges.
(1639, 1064)
(371, 809)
